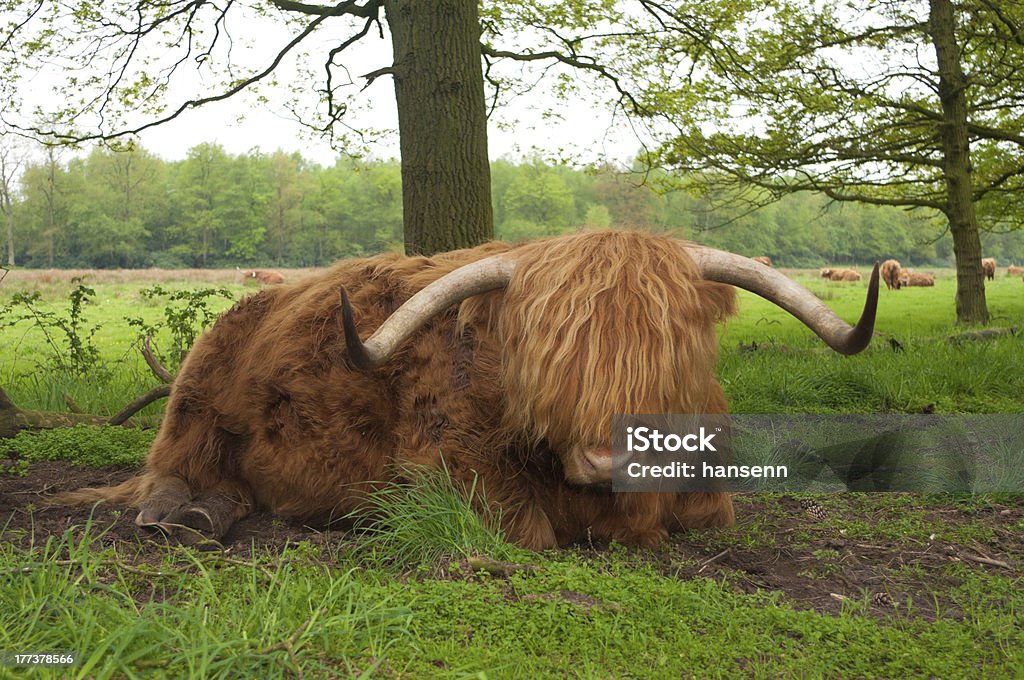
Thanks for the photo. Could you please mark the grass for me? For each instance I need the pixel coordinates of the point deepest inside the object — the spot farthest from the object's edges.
(190, 617)
(792, 372)
(446, 523)
(595, 615)
(375, 605)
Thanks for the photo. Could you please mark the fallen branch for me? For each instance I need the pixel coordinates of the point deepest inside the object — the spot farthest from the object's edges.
(986, 560)
(139, 403)
(985, 334)
(72, 405)
(711, 560)
(14, 419)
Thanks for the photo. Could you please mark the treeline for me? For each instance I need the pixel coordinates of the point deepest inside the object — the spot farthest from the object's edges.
(130, 208)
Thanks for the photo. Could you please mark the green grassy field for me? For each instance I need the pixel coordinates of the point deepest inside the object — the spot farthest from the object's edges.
(876, 586)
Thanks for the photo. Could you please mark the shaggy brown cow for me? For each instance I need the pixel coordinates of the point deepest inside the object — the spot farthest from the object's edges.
(506, 363)
(763, 259)
(1014, 269)
(264, 276)
(908, 278)
(840, 274)
(988, 265)
(890, 271)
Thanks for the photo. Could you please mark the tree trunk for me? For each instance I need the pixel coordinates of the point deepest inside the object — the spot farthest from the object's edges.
(9, 218)
(963, 222)
(442, 121)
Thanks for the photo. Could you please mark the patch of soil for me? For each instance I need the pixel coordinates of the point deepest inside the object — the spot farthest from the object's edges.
(801, 548)
(26, 520)
(817, 567)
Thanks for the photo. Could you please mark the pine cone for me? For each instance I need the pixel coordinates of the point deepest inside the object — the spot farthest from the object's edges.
(814, 508)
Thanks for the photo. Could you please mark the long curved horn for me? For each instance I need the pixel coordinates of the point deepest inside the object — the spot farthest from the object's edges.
(477, 277)
(742, 272)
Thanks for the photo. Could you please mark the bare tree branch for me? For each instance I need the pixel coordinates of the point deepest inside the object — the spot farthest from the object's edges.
(140, 402)
(154, 364)
(18, 26)
(348, 7)
(576, 61)
(59, 137)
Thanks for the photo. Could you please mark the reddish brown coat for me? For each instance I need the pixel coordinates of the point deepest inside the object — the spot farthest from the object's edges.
(265, 276)
(890, 271)
(268, 411)
(840, 274)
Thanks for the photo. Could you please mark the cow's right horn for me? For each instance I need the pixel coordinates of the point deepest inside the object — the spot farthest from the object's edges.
(472, 279)
(743, 272)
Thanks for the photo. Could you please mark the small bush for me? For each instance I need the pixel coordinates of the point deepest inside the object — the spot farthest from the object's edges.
(74, 353)
(186, 314)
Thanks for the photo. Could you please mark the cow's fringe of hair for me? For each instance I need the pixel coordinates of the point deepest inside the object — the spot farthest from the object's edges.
(595, 324)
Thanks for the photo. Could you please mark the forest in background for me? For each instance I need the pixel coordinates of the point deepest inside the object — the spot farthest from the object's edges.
(129, 208)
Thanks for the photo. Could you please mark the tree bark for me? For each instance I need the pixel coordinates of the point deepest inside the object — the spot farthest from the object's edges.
(963, 222)
(8, 211)
(442, 121)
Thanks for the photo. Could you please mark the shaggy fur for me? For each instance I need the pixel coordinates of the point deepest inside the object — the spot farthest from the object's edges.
(890, 271)
(265, 276)
(840, 274)
(763, 259)
(908, 278)
(988, 265)
(1014, 269)
(267, 410)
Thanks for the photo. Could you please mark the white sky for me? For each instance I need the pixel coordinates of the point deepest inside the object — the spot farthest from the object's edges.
(583, 132)
(238, 124)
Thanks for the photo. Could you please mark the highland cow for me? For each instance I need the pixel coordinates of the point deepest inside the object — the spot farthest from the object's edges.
(908, 278)
(504, 364)
(890, 271)
(763, 259)
(988, 265)
(840, 274)
(264, 276)
(1014, 269)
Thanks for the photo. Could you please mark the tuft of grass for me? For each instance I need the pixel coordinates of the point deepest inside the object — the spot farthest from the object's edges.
(427, 519)
(190, 618)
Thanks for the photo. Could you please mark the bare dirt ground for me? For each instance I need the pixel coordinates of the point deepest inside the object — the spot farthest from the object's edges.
(817, 556)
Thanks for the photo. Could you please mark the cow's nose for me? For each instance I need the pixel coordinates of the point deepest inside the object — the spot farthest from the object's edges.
(602, 463)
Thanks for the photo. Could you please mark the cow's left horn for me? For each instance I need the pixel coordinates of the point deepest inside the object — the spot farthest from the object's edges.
(472, 279)
(736, 270)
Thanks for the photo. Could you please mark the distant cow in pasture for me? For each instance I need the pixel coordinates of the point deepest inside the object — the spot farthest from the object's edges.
(988, 265)
(501, 364)
(921, 279)
(763, 259)
(840, 274)
(1014, 269)
(890, 271)
(264, 276)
